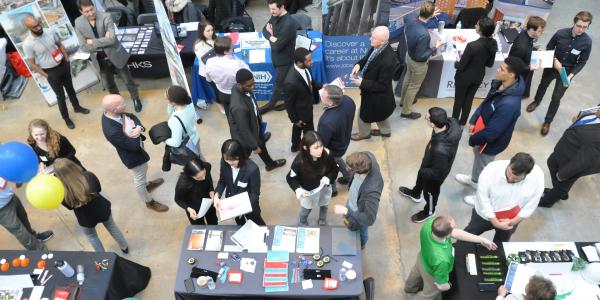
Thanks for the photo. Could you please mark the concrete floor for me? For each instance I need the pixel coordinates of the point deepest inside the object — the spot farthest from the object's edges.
(155, 238)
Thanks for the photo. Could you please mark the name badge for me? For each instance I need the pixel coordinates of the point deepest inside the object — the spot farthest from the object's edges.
(242, 184)
(43, 158)
(575, 51)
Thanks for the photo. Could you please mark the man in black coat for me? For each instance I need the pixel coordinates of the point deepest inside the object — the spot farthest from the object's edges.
(300, 90)
(245, 123)
(523, 46)
(124, 131)
(281, 33)
(437, 162)
(377, 95)
(575, 155)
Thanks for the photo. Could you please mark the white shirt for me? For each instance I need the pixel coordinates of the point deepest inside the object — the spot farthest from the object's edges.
(234, 173)
(494, 193)
(303, 74)
(253, 103)
(200, 49)
(222, 69)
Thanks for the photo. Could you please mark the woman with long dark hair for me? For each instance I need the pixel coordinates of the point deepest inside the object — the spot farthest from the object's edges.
(239, 174)
(204, 44)
(310, 177)
(470, 70)
(193, 187)
(82, 195)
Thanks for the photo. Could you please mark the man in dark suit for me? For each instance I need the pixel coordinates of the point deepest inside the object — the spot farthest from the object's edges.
(245, 123)
(300, 89)
(124, 131)
(575, 155)
(523, 46)
(377, 96)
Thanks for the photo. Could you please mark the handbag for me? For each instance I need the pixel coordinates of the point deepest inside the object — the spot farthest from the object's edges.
(183, 154)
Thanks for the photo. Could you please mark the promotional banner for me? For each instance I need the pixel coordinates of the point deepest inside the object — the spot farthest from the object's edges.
(341, 54)
(176, 69)
(52, 16)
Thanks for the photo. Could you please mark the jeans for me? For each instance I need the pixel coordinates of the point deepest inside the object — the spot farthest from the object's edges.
(115, 232)
(415, 74)
(140, 181)
(479, 225)
(479, 162)
(60, 80)
(107, 72)
(364, 129)
(364, 235)
(14, 218)
(548, 76)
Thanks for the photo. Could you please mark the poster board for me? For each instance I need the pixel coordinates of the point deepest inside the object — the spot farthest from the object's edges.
(176, 69)
(52, 16)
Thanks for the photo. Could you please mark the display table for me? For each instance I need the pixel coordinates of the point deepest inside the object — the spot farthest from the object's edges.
(152, 63)
(264, 73)
(251, 286)
(439, 82)
(122, 279)
(464, 285)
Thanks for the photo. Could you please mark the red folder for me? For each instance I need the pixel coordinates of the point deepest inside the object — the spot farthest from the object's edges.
(508, 214)
(479, 126)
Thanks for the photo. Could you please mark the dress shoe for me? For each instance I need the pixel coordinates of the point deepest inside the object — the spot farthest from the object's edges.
(532, 106)
(137, 104)
(69, 123)
(279, 107)
(276, 164)
(412, 116)
(377, 132)
(156, 206)
(295, 149)
(356, 137)
(545, 129)
(267, 136)
(82, 110)
(152, 185)
(199, 121)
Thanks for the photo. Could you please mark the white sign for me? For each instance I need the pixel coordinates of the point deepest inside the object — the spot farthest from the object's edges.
(262, 76)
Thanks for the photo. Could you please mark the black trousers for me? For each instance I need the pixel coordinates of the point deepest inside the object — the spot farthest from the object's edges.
(431, 193)
(560, 189)
(209, 219)
(280, 73)
(60, 80)
(479, 225)
(22, 214)
(224, 99)
(528, 78)
(297, 131)
(264, 154)
(108, 70)
(463, 100)
(548, 76)
(254, 216)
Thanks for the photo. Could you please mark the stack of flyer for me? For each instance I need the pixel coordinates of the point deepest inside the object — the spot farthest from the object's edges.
(275, 278)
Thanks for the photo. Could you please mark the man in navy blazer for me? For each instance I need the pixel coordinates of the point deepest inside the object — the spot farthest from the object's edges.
(124, 131)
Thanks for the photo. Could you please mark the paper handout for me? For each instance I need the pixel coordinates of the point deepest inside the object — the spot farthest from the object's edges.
(284, 238)
(80, 55)
(204, 207)
(234, 206)
(256, 56)
(545, 58)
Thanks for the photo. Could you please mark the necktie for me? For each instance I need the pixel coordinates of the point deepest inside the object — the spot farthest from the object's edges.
(307, 77)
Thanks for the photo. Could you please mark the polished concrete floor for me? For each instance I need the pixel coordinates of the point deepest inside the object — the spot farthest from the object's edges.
(155, 238)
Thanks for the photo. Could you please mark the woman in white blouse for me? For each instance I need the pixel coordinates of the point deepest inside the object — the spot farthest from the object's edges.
(204, 44)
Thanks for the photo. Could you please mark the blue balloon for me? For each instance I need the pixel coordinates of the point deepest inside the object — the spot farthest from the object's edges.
(18, 162)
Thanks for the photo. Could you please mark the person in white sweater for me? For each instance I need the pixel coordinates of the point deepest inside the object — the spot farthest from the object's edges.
(507, 193)
(204, 44)
(538, 288)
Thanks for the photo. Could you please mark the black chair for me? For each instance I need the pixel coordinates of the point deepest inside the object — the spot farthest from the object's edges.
(468, 17)
(369, 284)
(147, 19)
(123, 16)
(143, 7)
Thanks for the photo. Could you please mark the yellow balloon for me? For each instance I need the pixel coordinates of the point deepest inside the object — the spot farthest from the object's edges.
(45, 192)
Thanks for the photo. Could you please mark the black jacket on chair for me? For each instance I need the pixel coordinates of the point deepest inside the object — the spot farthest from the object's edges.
(376, 91)
(577, 151)
(130, 150)
(247, 180)
(244, 123)
(300, 96)
(478, 54)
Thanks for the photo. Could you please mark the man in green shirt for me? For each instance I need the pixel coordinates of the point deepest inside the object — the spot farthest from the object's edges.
(436, 258)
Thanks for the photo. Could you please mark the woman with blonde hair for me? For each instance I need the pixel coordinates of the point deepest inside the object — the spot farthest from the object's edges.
(49, 145)
(82, 195)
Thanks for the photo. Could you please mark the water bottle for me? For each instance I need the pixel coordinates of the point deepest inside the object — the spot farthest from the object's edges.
(211, 283)
(80, 274)
(64, 267)
(459, 25)
(342, 275)
(441, 25)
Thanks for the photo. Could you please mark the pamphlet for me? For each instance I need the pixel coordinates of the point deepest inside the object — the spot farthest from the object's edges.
(196, 241)
(303, 42)
(517, 278)
(256, 56)
(234, 206)
(230, 245)
(284, 238)
(251, 237)
(337, 82)
(588, 111)
(307, 240)
(81, 55)
(204, 207)
(545, 58)
(214, 239)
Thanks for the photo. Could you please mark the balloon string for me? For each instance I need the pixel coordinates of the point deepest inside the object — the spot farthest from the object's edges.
(73, 234)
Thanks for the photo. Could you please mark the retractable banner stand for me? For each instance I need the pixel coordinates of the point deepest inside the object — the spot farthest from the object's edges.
(52, 16)
(176, 69)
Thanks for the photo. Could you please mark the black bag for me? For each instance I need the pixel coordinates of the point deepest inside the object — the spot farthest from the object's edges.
(238, 24)
(208, 55)
(182, 155)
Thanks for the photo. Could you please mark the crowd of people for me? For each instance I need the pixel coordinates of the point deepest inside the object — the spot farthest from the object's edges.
(506, 191)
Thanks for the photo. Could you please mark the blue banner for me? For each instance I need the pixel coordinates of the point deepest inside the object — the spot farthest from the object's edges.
(341, 53)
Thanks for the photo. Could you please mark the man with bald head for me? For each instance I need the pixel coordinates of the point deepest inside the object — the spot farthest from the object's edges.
(373, 75)
(47, 56)
(418, 53)
(124, 131)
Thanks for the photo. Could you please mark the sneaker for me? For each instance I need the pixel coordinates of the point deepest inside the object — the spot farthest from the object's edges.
(44, 236)
(69, 123)
(406, 192)
(156, 206)
(202, 105)
(412, 116)
(276, 164)
(421, 216)
(466, 180)
(469, 200)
